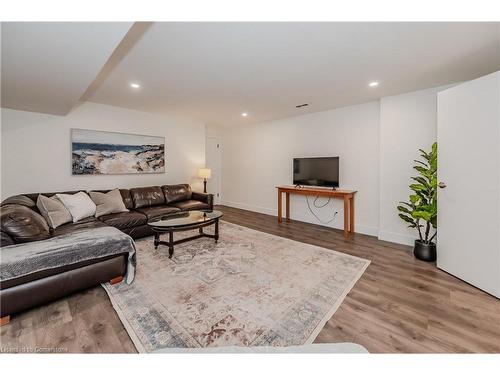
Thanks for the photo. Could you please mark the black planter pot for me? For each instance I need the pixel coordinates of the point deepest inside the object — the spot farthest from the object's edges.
(425, 251)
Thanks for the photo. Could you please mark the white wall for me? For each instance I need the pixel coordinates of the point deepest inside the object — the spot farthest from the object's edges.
(407, 122)
(256, 159)
(36, 149)
(377, 143)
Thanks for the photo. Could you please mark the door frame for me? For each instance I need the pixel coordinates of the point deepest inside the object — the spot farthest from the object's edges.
(217, 199)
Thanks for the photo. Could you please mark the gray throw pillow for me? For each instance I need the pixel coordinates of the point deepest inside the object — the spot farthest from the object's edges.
(108, 203)
(53, 211)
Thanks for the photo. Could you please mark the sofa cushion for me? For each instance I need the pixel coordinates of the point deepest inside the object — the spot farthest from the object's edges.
(87, 223)
(22, 200)
(157, 211)
(176, 193)
(54, 212)
(127, 198)
(120, 259)
(21, 260)
(5, 239)
(122, 220)
(79, 205)
(138, 232)
(22, 224)
(108, 203)
(191, 205)
(147, 196)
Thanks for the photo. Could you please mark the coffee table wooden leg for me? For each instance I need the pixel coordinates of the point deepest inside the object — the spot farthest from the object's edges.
(170, 244)
(157, 239)
(216, 230)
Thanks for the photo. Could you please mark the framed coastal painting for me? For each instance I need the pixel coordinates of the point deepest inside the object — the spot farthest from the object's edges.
(100, 152)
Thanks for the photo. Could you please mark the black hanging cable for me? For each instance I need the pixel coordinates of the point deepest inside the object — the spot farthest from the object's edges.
(320, 206)
(323, 205)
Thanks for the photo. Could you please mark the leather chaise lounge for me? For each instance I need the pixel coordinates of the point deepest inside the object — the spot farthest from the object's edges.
(22, 223)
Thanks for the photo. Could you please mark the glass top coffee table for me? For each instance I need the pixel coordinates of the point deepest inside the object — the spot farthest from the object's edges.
(184, 221)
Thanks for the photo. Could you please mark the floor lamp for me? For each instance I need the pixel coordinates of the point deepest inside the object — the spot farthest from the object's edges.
(205, 173)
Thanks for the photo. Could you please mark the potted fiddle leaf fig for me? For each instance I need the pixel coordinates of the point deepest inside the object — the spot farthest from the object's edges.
(421, 211)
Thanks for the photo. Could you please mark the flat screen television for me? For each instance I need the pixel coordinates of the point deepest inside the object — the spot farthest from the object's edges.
(316, 171)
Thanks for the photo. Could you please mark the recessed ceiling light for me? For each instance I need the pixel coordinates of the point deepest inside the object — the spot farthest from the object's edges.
(135, 85)
(244, 114)
(373, 84)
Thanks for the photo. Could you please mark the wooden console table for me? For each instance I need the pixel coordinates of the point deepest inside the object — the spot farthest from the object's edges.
(346, 195)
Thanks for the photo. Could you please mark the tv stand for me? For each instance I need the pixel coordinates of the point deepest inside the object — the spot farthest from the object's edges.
(346, 195)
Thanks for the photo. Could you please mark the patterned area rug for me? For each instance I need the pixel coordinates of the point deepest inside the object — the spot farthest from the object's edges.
(250, 289)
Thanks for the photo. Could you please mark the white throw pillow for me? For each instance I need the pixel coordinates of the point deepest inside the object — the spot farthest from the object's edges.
(79, 205)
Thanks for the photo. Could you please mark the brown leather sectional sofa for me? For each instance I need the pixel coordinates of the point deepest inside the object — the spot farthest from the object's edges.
(21, 222)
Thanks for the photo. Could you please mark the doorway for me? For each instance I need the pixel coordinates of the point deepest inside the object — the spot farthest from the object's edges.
(213, 161)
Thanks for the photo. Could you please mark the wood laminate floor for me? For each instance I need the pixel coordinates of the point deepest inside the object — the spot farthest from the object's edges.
(400, 304)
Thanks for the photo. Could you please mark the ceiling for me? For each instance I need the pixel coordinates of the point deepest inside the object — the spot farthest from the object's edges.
(212, 72)
(47, 66)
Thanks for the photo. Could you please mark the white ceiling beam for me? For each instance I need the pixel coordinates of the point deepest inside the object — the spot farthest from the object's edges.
(47, 66)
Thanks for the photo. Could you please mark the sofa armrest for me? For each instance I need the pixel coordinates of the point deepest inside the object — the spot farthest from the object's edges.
(5, 239)
(204, 197)
(23, 224)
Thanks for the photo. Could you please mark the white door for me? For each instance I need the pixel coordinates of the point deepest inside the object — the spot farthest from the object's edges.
(213, 161)
(469, 165)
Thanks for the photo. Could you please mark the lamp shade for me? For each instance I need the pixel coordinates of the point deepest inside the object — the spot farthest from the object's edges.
(204, 173)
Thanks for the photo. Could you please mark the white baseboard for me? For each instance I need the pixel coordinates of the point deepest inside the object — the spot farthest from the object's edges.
(360, 228)
(366, 229)
(250, 207)
(399, 238)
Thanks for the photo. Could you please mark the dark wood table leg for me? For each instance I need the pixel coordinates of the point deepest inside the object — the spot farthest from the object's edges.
(216, 230)
(170, 244)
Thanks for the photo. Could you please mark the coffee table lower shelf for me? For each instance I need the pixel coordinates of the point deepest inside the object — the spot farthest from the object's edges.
(170, 231)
